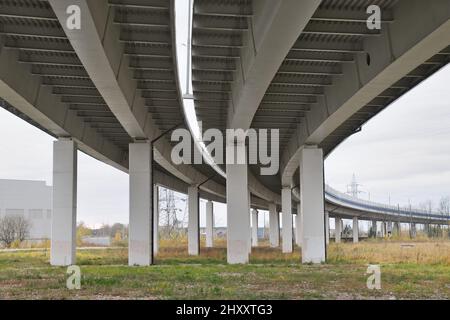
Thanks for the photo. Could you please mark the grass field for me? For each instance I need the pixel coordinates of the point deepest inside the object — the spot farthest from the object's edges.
(412, 270)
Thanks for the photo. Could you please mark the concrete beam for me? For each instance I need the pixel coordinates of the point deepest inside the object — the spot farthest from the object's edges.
(264, 52)
(30, 96)
(101, 52)
(402, 46)
(88, 43)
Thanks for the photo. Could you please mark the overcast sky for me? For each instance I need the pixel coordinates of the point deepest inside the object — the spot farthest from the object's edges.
(402, 154)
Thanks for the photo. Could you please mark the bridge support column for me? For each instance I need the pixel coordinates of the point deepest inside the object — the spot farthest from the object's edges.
(141, 202)
(312, 205)
(298, 222)
(193, 221)
(286, 209)
(397, 228)
(389, 228)
(238, 222)
(337, 229)
(383, 229)
(355, 230)
(426, 228)
(209, 224)
(274, 226)
(374, 228)
(155, 219)
(64, 215)
(412, 230)
(327, 227)
(249, 215)
(254, 228)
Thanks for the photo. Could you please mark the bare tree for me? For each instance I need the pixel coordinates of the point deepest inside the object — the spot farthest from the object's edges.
(12, 228)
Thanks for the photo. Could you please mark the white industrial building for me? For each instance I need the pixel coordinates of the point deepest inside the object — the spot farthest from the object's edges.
(33, 200)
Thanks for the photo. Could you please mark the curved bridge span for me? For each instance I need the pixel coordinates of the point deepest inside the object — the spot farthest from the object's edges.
(312, 69)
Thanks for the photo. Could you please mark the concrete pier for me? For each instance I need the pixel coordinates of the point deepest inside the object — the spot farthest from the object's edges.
(355, 230)
(274, 226)
(141, 202)
(254, 228)
(64, 216)
(312, 205)
(286, 209)
(193, 221)
(209, 224)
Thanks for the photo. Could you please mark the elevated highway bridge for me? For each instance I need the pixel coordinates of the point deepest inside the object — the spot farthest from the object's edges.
(311, 69)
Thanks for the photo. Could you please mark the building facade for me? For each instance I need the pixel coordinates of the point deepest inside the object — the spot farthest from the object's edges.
(33, 200)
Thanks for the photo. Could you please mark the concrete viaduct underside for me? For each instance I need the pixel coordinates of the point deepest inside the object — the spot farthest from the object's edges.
(311, 69)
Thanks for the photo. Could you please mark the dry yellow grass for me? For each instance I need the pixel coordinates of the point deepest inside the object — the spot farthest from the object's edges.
(420, 251)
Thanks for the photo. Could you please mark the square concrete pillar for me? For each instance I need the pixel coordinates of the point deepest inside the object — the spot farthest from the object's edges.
(337, 230)
(155, 219)
(141, 204)
(254, 228)
(274, 226)
(374, 228)
(412, 230)
(238, 220)
(64, 214)
(249, 222)
(397, 228)
(209, 224)
(312, 205)
(193, 221)
(383, 229)
(327, 227)
(286, 209)
(298, 225)
(355, 230)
